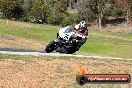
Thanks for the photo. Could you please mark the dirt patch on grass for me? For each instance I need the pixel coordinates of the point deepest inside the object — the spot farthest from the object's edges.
(11, 41)
(118, 28)
(112, 37)
(52, 72)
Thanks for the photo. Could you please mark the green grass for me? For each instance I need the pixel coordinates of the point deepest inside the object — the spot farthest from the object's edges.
(100, 43)
(38, 32)
(108, 46)
(122, 35)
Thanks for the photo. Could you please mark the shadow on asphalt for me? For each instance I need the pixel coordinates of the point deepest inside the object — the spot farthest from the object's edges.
(19, 50)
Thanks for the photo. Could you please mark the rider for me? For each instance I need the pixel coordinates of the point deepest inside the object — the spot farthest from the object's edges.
(79, 36)
(82, 31)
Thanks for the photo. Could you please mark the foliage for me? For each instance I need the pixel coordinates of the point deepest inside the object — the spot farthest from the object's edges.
(117, 12)
(55, 11)
(37, 10)
(102, 9)
(58, 11)
(11, 9)
(67, 21)
(26, 9)
(72, 19)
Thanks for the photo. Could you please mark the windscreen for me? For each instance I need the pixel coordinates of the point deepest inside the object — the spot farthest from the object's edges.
(69, 29)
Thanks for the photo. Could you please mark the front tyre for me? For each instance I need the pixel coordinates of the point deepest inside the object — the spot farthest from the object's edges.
(51, 47)
(81, 80)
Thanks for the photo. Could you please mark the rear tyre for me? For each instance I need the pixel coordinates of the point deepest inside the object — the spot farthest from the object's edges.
(51, 47)
(70, 51)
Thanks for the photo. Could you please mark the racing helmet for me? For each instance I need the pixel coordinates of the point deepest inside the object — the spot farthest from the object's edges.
(82, 26)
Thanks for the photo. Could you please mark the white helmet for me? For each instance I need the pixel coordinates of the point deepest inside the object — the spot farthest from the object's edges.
(82, 25)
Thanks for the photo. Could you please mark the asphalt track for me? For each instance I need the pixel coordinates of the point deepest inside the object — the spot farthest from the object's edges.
(43, 53)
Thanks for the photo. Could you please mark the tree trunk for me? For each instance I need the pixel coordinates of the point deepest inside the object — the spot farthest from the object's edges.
(128, 3)
(70, 4)
(100, 21)
(128, 14)
(100, 17)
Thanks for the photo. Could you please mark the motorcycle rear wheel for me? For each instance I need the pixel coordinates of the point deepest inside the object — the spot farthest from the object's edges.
(71, 51)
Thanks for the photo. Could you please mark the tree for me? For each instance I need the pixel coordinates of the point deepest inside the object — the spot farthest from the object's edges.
(105, 8)
(57, 11)
(37, 10)
(93, 9)
(126, 5)
(99, 9)
(11, 8)
(27, 5)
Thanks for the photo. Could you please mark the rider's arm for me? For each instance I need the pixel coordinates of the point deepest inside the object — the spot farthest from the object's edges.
(85, 34)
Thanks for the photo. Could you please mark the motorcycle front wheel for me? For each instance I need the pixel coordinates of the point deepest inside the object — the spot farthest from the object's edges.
(51, 47)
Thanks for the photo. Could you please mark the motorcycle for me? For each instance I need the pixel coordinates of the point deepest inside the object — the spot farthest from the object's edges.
(67, 41)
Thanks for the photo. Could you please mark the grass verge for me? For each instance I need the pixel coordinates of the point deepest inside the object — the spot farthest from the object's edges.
(38, 72)
(99, 43)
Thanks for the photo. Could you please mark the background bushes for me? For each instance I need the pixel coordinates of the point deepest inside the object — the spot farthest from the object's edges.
(55, 11)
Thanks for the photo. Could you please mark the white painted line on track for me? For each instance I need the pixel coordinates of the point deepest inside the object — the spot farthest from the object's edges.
(59, 55)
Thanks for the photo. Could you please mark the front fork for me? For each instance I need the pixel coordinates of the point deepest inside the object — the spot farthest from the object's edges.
(57, 43)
